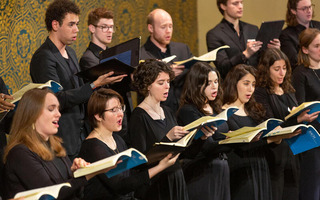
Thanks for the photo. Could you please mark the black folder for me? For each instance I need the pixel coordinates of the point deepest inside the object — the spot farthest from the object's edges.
(114, 65)
(128, 52)
(269, 31)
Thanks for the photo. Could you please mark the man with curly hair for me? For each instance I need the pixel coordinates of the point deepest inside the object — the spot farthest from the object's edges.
(55, 60)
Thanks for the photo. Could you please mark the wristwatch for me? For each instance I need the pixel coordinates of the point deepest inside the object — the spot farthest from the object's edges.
(92, 86)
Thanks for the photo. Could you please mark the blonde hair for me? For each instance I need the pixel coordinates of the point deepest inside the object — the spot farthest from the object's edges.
(23, 131)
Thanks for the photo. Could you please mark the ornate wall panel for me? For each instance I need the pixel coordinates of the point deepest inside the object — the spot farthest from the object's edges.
(22, 29)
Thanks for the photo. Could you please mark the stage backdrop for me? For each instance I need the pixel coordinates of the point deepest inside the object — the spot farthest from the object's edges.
(22, 29)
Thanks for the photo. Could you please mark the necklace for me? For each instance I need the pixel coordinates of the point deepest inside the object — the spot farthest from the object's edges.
(162, 118)
(116, 151)
(316, 74)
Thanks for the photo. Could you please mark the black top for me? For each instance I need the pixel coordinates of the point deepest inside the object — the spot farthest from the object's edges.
(25, 170)
(306, 81)
(277, 106)
(117, 187)
(249, 172)
(207, 176)
(289, 39)
(90, 57)
(144, 132)
(284, 167)
(223, 34)
(4, 128)
(189, 113)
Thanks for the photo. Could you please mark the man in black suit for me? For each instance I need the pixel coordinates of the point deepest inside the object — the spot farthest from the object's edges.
(240, 36)
(298, 18)
(55, 60)
(159, 46)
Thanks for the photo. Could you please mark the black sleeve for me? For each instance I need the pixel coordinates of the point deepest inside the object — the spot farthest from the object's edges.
(298, 82)
(223, 62)
(120, 183)
(43, 68)
(261, 96)
(27, 167)
(289, 48)
(138, 133)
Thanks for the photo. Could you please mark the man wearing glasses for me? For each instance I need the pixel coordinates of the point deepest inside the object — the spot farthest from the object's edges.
(55, 60)
(101, 26)
(298, 17)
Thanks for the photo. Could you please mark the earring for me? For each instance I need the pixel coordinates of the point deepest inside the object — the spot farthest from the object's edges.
(33, 127)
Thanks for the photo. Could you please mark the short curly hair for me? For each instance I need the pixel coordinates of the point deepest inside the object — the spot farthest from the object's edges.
(58, 9)
(147, 72)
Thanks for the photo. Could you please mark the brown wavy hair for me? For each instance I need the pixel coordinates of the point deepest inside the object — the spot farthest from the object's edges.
(269, 57)
(22, 130)
(291, 19)
(305, 39)
(195, 83)
(97, 104)
(147, 72)
(252, 108)
(99, 13)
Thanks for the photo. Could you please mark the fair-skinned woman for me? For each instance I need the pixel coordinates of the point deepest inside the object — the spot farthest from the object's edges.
(306, 82)
(105, 113)
(34, 156)
(207, 175)
(150, 122)
(249, 172)
(275, 92)
(298, 18)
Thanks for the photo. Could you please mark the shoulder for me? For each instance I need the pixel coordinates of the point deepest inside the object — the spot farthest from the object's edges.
(250, 26)
(301, 69)
(186, 108)
(19, 153)
(179, 44)
(215, 29)
(316, 24)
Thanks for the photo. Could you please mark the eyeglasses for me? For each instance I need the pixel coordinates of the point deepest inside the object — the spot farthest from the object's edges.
(307, 8)
(106, 28)
(116, 110)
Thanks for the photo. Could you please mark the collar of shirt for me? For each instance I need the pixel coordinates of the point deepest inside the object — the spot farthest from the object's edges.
(95, 49)
(156, 51)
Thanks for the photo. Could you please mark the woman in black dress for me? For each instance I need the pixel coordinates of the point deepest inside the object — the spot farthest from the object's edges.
(34, 156)
(105, 114)
(275, 92)
(207, 176)
(151, 122)
(306, 82)
(249, 171)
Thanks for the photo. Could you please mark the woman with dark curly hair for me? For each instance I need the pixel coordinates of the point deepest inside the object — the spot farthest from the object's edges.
(207, 176)
(151, 122)
(275, 92)
(249, 171)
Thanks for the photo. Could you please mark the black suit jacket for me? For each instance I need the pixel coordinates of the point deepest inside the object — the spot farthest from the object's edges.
(182, 51)
(26, 170)
(289, 39)
(221, 35)
(46, 64)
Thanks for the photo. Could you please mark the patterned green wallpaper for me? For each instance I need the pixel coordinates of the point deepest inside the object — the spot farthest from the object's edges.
(22, 29)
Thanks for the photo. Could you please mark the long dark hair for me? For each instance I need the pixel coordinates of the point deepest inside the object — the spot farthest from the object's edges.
(252, 108)
(269, 57)
(195, 84)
